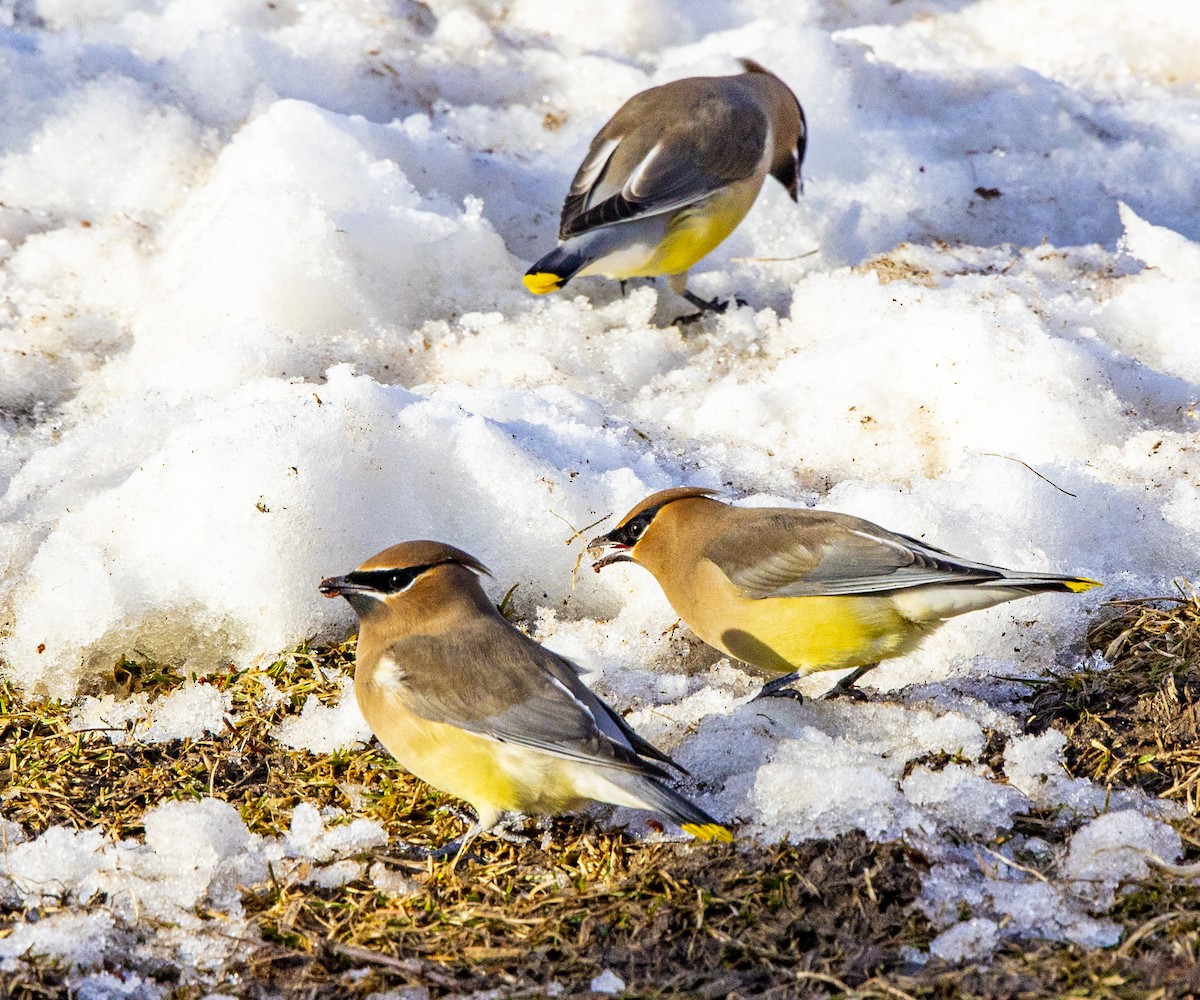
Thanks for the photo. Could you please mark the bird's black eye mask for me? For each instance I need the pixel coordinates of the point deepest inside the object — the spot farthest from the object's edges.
(388, 581)
(788, 174)
(633, 529)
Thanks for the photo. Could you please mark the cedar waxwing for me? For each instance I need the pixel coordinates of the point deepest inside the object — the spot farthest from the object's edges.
(798, 591)
(671, 175)
(471, 706)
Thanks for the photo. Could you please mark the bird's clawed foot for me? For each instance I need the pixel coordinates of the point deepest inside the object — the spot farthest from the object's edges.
(704, 306)
(504, 830)
(845, 687)
(781, 687)
(454, 849)
(844, 691)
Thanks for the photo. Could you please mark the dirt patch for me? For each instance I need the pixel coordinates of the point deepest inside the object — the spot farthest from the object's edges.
(675, 919)
(894, 266)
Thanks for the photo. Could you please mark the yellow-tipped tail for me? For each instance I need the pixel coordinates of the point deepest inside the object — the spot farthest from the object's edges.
(541, 282)
(1080, 584)
(709, 831)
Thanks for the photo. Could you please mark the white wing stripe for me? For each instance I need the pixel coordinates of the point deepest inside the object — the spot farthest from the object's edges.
(570, 694)
(594, 167)
(635, 176)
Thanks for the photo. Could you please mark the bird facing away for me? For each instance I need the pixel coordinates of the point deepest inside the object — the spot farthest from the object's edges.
(472, 706)
(671, 175)
(797, 591)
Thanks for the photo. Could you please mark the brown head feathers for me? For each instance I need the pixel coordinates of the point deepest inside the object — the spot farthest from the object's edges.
(409, 555)
(656, 501)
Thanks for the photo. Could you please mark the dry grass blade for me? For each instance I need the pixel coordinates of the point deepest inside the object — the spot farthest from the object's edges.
(579, 533)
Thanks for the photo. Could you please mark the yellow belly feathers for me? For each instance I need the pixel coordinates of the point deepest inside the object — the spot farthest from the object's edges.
(696, 231)
(797, 633)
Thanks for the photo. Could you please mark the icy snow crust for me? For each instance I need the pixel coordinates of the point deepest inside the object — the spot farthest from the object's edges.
(261, 315)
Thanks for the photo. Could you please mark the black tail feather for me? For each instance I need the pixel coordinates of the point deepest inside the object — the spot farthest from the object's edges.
(661, 799)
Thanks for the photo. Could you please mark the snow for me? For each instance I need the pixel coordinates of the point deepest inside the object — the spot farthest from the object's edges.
(184, 879)
(106, 986)
(608, 982)
(324, 729)
(974, 938)
(309, 837)
(261, 316)
(1113, 849)
(188, 712)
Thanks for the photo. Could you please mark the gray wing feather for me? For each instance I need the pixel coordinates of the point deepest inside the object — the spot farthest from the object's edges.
(805, 553)
(508, 687)
(663, 151)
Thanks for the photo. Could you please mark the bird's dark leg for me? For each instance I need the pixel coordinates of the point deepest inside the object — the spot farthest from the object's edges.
(457, 847)
(703, 305)
(454, 848)
(504, 831)
(622, 282)
(845, 687)
(418, 852)
(781, 687)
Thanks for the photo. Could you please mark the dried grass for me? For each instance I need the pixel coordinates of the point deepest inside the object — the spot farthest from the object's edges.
(52, 775)
(1135, 722)
(704, 920)
(828, 918)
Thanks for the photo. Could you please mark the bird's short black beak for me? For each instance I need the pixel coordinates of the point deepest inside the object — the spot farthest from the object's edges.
(332, 586)
(788, 174)
(341, 586)
(605, 550)
(362, 597)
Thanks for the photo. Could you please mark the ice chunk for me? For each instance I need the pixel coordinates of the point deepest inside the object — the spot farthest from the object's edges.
(323, 729)
(74, 938)
(969, 941)
(817, 786)
(188, 712)
(1113, 849)
(964, 799)
(201, 852)
(608, 982)
(130, 986)
(50, 868)
(1033, 765)
(309, 836)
